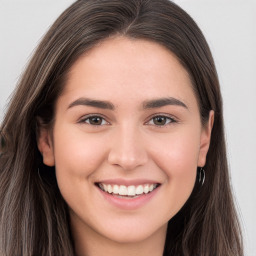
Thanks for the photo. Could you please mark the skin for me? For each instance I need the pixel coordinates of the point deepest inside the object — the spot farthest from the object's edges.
(128, 144)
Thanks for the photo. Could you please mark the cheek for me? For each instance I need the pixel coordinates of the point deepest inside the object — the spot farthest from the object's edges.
(77, 156)
(77, 153)
(178, 161)
(180, 152)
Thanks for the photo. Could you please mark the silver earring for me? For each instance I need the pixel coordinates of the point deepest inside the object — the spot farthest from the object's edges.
(201, 176)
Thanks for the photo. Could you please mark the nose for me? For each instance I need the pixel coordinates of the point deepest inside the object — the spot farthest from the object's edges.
(128, 149)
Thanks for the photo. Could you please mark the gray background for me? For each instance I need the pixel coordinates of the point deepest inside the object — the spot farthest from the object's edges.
(230, 28)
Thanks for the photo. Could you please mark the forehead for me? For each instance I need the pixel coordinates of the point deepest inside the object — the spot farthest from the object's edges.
(120, 67)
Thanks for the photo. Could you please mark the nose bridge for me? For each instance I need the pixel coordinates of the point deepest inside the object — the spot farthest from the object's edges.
(127, 148)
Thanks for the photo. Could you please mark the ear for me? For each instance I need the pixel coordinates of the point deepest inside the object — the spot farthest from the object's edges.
(205, 140)
(45, 144)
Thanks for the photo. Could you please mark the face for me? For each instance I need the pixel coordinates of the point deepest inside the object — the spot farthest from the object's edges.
(127, 139)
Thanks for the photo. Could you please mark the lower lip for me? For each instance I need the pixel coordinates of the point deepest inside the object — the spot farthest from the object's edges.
(129, 203)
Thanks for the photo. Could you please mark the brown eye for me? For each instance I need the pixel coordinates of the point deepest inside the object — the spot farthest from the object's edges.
(161, 120)
(94, 120)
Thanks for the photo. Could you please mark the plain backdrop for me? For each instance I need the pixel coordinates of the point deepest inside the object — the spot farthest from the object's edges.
(229, 27)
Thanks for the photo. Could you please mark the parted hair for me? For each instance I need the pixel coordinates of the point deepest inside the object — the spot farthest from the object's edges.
(34, 218)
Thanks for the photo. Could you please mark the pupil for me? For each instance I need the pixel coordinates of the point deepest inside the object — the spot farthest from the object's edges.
(95, 120)
(160, 120)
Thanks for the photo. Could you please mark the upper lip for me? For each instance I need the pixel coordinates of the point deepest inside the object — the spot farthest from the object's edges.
(125, 182)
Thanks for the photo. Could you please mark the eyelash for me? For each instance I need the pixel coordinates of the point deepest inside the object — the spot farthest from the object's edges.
(170, 120)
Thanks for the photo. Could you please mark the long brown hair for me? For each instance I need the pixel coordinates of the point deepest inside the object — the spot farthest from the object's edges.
(34, 217)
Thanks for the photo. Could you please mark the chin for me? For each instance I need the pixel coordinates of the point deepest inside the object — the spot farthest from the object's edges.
(134, 233)
(128, 237)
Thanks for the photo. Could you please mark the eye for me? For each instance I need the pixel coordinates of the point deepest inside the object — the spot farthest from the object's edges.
(161, 120)
(94, 120)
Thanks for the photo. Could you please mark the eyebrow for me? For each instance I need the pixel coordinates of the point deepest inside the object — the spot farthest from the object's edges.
(149, 104)
(157, 103)
(92, 103)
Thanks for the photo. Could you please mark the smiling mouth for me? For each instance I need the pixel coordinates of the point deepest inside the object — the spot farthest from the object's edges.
(123, 191)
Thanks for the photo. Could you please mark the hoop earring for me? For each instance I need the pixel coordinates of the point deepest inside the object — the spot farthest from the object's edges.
(201, 176)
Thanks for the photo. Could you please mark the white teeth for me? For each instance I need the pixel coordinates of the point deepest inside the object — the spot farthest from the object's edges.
(115, 189)
(146, 189)
(131, 191)
(139, 190)
(109, 190)
(123, 190)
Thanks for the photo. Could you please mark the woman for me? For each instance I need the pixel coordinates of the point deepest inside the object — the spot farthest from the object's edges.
(113, 142)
